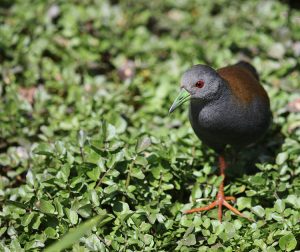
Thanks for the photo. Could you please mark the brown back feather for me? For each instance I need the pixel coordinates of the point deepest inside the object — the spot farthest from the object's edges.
(243, 84)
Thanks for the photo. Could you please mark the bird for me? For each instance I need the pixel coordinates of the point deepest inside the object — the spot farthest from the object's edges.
(227, 107)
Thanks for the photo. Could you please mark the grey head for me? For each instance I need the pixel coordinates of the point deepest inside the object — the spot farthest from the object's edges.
(201, 84)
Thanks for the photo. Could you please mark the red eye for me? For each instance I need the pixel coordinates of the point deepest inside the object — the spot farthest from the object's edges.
(199, 84)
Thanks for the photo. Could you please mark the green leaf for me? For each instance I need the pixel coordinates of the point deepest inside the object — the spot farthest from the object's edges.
(37, 222)
(94, 174)
(277, 216)
(243, 203)
(72, 215)
(81, 138)
(120, 124)
(44, 149)
(293, 200)
(17, 204)
(141, 161)
(50, 232)
(60, 148)
(94, 197)
(212, 239)
(58, 207)
(94, 244)
(189, 231)
(257, 180)
(288, 242)
(279, 206)
(137, 173)
(64, 173)
(85, 211)
(258, 210)
(111, 132)
(45, 206)
(75, 234)
(190, 240)
(230, 229)
(15, 246)
(30, 178)
(2, 231)
(26, 220)
(147, 239)
(143, 144)
(281, 158)
(121, 208)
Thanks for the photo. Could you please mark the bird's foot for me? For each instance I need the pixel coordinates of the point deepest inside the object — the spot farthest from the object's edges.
(220, 201)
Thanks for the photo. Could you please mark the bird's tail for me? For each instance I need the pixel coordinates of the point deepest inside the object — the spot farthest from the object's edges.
(249, 67)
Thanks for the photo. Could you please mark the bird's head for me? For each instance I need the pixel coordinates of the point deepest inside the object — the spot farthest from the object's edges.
(201, 83)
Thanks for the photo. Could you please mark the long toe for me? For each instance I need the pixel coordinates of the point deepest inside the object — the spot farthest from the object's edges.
(233, 209)
(221, 201)
(200, 209)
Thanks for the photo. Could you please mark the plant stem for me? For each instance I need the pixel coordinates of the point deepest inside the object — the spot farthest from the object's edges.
(100, 180)
(82, 154)
(127, 183)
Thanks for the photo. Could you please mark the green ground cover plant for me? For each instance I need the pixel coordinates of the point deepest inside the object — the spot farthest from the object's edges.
(86, 143)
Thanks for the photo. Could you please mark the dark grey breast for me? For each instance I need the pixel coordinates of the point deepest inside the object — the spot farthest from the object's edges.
(238, 115)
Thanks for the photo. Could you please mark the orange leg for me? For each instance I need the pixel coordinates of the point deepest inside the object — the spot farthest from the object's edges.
(221, 199)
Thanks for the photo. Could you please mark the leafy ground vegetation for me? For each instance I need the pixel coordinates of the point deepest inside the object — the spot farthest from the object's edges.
(85, 131)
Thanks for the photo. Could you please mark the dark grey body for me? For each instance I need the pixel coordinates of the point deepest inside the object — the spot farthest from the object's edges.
(225, 121)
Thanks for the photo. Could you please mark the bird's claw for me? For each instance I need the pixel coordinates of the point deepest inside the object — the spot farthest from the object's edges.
(221, 201)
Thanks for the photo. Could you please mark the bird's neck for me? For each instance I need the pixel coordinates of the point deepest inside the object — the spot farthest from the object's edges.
(223, 96)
